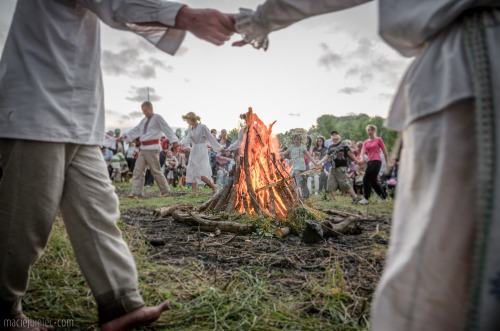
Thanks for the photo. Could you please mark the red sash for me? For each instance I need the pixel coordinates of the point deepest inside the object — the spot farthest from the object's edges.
(150, 142)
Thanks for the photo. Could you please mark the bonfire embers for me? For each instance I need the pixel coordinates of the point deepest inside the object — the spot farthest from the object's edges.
(258, 165)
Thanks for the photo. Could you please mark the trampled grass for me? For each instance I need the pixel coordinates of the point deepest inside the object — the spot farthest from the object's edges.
(245, 298)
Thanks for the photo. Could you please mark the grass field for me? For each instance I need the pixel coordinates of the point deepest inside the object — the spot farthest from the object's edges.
(267, 290)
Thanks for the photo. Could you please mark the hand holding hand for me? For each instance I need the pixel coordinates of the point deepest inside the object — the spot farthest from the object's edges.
(206, 24)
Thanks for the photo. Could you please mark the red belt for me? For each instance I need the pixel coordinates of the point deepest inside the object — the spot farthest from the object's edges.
(150, 142)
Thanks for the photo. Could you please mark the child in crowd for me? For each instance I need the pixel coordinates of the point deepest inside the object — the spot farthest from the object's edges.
(314, 176)
(297, 153)
(130, 156)
(323, 179)
(119, 165)
(170, 167)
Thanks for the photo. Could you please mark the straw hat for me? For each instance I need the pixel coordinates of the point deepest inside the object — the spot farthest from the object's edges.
(191, 116)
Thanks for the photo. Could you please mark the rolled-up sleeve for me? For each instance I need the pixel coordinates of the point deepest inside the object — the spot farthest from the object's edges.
(124, 14)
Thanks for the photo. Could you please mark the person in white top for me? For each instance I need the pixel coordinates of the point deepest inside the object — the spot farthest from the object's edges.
(447, 110)
(52, 109)
(150, 129)
(198, 168)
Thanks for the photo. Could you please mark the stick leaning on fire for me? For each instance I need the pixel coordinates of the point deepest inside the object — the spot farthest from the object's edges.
(287, 179)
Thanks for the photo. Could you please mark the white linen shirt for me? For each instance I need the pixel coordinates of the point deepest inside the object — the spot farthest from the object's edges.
(50, 76)
(156, 127)
(428, 29)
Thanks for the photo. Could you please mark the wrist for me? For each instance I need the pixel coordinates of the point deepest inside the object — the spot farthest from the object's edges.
(184, 18)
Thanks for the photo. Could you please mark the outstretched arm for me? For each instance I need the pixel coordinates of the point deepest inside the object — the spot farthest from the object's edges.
(163, 23)
(353, 157)
(206, 24)
(273, 15)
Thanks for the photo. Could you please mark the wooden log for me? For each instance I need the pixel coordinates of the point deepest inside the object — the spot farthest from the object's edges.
(347, 227)
(225, 193)
(285, 187)
(283, 197)
(246, 167)
(194, 220)
(233, 197)
(245, 204)
(282, 232)
(288, 196)
(214, 201)
(339, 213)
(271, 203)
(168, 210)
(286, 179)
(315, 231)
(208, 202)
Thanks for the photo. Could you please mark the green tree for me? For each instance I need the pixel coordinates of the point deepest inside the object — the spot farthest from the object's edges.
(178, 133)
(286, 138)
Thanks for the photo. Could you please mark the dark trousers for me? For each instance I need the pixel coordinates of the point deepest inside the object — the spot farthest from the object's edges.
(370, 179)
(131, 164)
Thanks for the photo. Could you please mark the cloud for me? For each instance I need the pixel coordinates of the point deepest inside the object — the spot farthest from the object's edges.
(130, 62)
(352, 90)
(368, 64)
(385, 96)
(135, 114)
(329, 58)
(116, 119)
(140, 94)
(159, 64)
(182, 51)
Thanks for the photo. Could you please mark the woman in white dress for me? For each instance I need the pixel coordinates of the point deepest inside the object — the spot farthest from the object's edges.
(198, 168)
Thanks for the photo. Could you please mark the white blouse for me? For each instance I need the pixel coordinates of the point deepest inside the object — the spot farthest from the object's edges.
(50, 76)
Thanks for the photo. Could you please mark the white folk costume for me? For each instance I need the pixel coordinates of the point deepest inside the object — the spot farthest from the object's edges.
(237, 144)
(199, 164)
(150, 130)
(52, 110)
(443, 266)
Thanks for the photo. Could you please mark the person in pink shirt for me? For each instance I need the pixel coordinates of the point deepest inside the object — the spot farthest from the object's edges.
(372, 147)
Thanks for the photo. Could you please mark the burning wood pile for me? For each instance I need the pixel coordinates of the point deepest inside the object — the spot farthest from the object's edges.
(259, 183)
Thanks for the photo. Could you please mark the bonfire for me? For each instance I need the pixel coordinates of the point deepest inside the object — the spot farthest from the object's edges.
(260, 183)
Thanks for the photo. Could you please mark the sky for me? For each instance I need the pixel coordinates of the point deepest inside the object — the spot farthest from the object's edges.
(330, 64)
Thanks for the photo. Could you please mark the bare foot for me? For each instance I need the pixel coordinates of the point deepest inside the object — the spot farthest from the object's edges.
(214, 189)
(23, 323)
(140, 317)
(166, 194)
(134, 196)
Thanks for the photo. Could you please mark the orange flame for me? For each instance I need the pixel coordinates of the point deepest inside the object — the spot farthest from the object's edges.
(264, 168)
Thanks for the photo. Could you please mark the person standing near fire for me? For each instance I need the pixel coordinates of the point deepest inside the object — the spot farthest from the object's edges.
(198, 168)
(298, 153)
(150, 130)
(338, 152)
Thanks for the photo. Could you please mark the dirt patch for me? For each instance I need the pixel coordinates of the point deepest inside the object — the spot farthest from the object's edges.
(353, 262)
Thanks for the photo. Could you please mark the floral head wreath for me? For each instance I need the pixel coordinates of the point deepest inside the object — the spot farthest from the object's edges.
(191, 116)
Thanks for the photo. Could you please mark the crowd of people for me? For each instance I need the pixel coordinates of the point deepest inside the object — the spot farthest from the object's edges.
(199, 159)
(355, 168)
(432, 280)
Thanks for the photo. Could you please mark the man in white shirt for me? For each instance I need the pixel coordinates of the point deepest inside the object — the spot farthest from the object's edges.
(448, 112)
(52, 111)
(150, 130)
